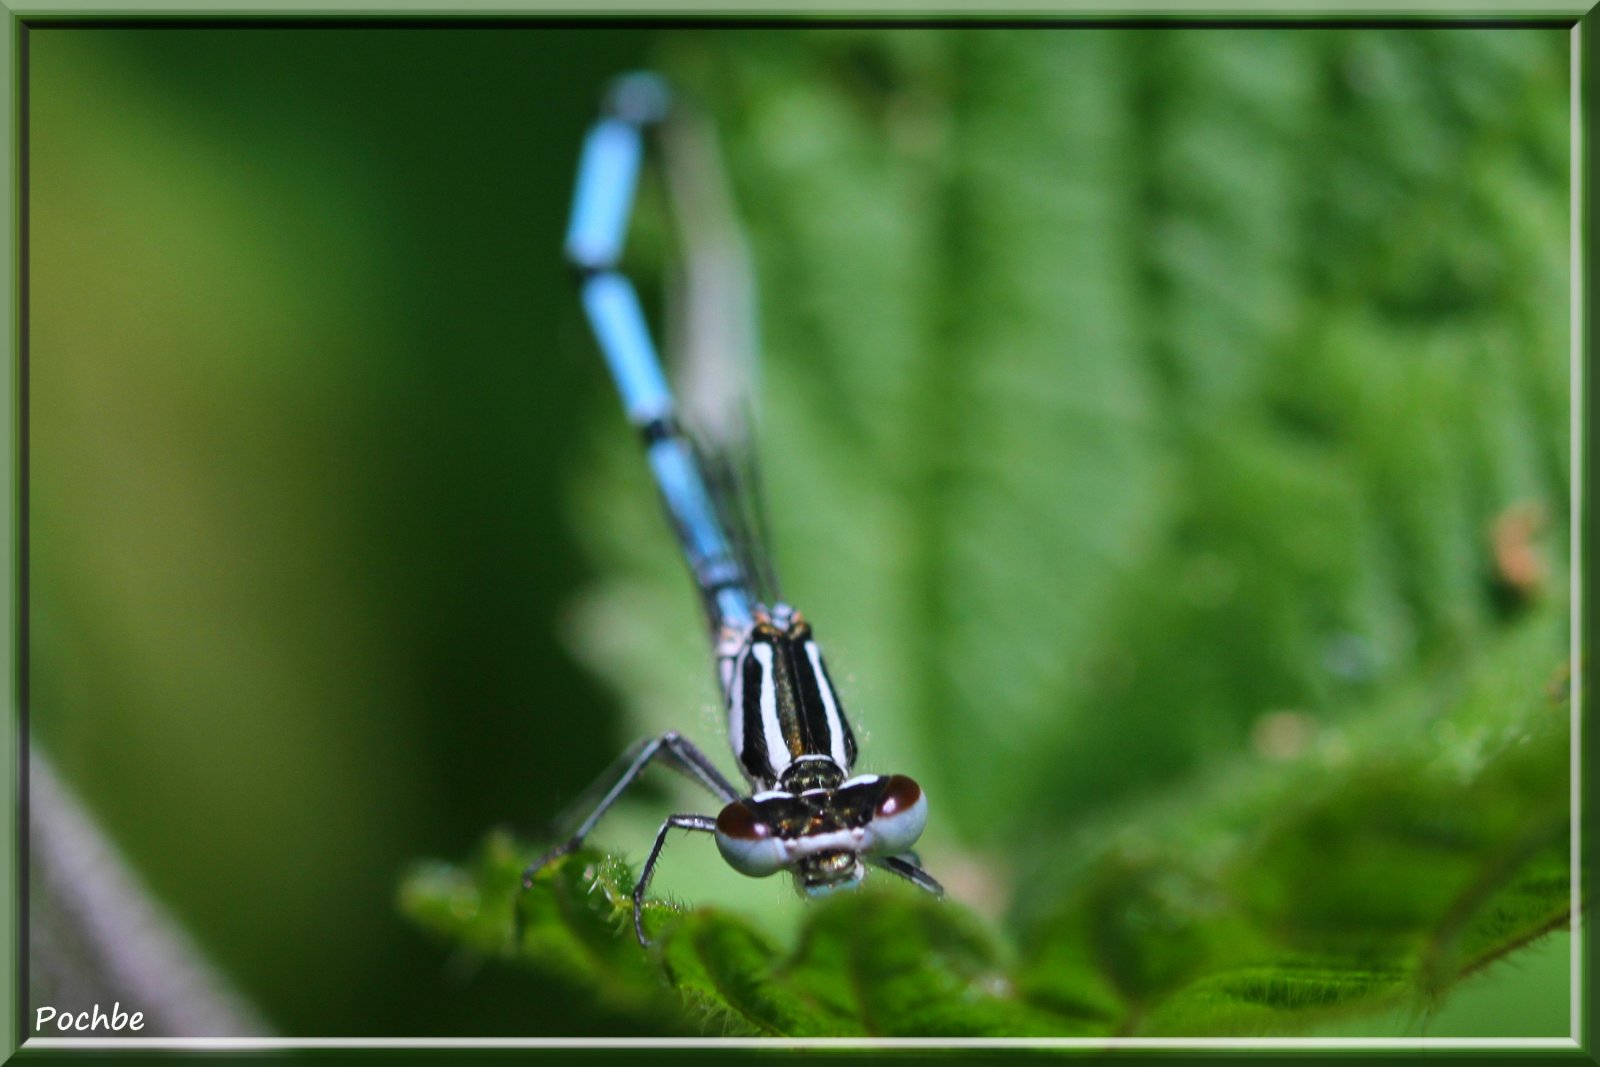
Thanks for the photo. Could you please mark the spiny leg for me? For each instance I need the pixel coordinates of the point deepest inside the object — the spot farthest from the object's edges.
(680, 753)
(702, 823)
(906, 867)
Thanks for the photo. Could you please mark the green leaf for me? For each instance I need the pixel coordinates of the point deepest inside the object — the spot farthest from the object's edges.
(574, 926)
(874, 963)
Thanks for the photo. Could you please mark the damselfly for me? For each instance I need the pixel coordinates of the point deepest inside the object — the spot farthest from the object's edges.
(803, 812)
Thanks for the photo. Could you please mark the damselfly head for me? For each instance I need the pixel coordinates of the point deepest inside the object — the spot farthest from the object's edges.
(821, 833)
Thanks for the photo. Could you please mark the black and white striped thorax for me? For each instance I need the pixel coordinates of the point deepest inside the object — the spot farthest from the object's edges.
(785, 721)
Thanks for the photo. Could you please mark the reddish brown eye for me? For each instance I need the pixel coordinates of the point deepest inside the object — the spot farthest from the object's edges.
(747, 843)
(899, 795)
(738, 822)
(901, 814)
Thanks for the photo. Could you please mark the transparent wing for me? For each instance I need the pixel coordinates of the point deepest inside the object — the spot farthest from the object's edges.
(714, 333)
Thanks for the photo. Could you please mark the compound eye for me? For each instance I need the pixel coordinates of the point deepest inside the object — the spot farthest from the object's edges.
(901, 814)
(747, 843)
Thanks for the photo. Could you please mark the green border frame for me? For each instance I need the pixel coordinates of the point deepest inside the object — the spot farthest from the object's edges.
(12, 306)
(910, 11)
(15, 20)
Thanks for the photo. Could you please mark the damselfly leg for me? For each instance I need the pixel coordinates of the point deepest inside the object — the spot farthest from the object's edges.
(675, 750)
(670, 748)
(703, 823)
(907, 866)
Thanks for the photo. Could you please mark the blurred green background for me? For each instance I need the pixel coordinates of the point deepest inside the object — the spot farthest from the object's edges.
(1131, 398)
